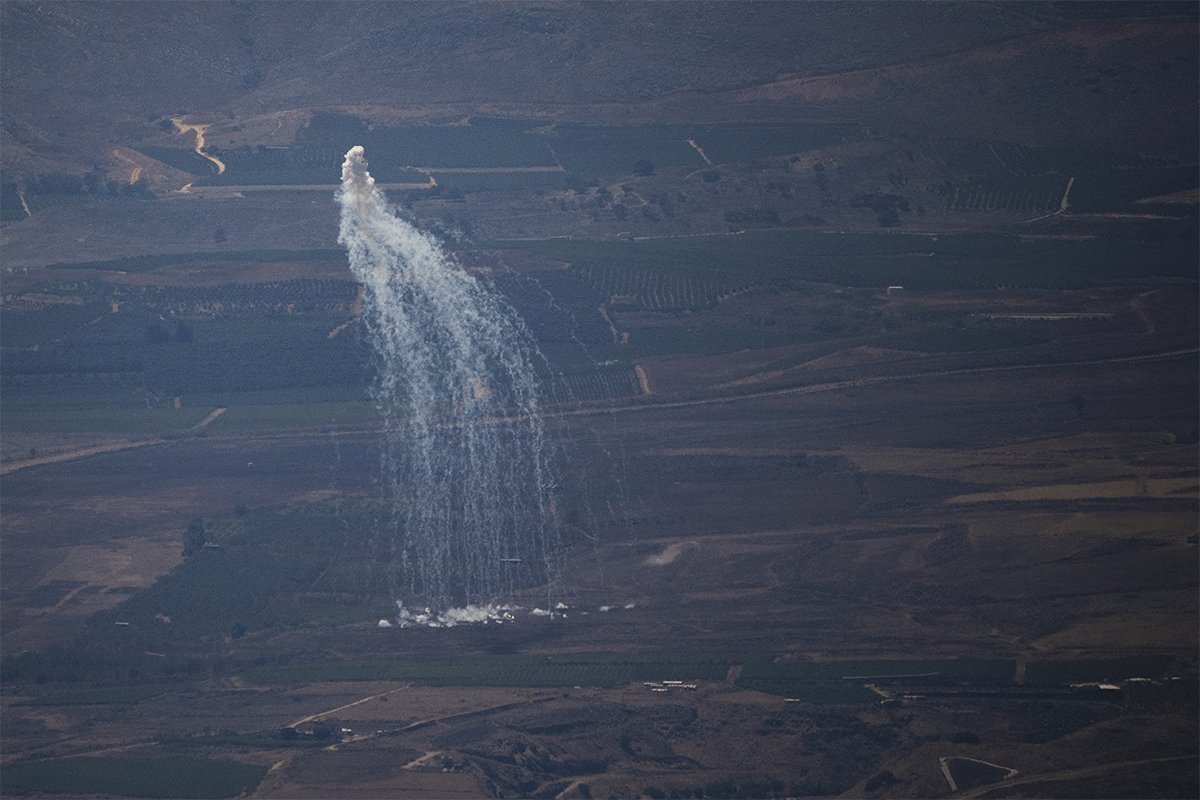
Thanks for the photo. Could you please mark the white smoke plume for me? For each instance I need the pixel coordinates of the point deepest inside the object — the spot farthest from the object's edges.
(466, 472)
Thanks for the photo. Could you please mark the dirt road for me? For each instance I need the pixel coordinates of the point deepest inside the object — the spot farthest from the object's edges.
(199, 130)
(204, 423)
(136, 168)
(332, 711)
(72, 455)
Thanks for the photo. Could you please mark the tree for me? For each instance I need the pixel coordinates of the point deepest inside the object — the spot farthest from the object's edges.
(324, 729)
(643, 167)
(193, 537)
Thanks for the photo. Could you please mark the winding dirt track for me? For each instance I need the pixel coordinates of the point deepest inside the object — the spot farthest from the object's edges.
(135, 167)
(184, 127)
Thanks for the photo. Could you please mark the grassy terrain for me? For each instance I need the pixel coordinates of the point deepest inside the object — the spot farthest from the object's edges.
(10, 202)
(727, 144)
(102, 420)
(294, 415)
(599, 151)
(603, 670)
(185, 159)
(815, 692)
(455, 182)
(962, 340)
(1082, 670)
(133, 777)
(115, 695)
(843, 681)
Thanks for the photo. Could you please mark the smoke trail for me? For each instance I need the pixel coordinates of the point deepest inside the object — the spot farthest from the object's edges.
(467, 477)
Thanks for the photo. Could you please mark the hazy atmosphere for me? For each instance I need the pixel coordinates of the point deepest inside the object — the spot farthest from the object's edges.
(599, 400)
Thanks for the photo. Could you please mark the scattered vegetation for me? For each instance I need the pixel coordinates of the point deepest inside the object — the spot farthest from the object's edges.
(604, 670)
(133, 777)
(112, 695)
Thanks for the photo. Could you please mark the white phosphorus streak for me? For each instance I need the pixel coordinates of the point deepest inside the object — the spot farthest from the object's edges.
(466, 476)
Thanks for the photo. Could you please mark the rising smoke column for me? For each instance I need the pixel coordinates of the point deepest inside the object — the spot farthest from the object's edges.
(466, 471)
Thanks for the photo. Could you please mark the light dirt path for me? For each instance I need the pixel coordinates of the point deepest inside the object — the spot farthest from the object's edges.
(212, 415)
(643, 380)
(612, 328)
(669, 554)
(1063, 205)
(199, 130)
(136, 171)
(945, 765)
(700, 150)
(1066, 198)
(419, 760)
(338, 329)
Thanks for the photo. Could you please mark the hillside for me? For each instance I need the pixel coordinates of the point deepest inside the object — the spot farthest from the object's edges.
(82, 78)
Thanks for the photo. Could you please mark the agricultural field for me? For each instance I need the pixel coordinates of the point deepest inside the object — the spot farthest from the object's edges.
(866, 339)
(921, 262)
